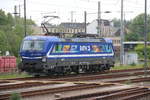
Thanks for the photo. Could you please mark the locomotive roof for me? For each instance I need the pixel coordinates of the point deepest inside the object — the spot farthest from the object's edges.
(48, 38)
(57, 39)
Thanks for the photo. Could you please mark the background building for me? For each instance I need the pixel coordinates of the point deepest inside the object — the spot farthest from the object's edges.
(67, 27)
(106, 26)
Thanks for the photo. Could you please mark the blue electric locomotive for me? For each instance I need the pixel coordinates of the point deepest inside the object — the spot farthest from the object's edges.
(54, 55)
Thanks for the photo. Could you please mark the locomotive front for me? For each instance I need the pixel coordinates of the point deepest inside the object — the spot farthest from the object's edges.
(33, 54)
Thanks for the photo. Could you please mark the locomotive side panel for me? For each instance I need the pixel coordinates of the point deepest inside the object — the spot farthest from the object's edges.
(75, 54)
(80, 61)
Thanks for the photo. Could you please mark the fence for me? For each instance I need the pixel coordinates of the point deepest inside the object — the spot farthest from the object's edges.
(7, 64)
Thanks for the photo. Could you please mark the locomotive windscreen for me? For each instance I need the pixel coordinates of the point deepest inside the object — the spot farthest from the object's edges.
(33, 45)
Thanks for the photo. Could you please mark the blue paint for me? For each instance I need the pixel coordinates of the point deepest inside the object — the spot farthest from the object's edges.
(80, 57)
(57, 46)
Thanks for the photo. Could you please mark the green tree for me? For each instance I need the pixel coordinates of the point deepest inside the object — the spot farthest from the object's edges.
(140, 50)
(148, 36)
(136, 27)
(132, 37)
(116, 22)
(12, 32)
(4, 46)
(10, 19)
(3, 18)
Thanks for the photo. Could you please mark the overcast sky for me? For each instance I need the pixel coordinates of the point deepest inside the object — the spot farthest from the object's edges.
(36, 9)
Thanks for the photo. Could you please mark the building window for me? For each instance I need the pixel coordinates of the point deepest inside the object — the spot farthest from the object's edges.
(68, 30)
(54, 30)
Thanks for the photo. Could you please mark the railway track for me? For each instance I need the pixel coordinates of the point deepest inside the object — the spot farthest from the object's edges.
(74, 75)
(100, 83)
(124, 94)
(95, 77)
(24, 83)
(55, 90)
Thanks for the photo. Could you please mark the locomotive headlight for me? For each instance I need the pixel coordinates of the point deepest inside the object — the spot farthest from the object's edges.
(44, 59)
(21, 59)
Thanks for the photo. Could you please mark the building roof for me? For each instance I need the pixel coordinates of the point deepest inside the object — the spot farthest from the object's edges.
(104, 21)
(135, 42)
(72, 25)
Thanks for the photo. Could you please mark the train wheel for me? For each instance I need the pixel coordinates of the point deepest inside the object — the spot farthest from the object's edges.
(76, 70)
(96, 68)
(20, 67)
(36, 75)
(107, 67)
(102, 67)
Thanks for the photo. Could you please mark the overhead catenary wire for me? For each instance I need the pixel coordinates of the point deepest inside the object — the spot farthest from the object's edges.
(90, 6)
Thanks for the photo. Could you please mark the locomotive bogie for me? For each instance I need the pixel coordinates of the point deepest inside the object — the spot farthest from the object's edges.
(68, 65)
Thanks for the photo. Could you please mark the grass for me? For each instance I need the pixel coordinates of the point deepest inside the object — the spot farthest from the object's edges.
(15, 96)
(128, 82)
(127, 67)
(14, 75)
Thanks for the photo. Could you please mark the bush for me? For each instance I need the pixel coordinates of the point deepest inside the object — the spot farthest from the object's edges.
(140, 50)
(133, 64)
(15, 96)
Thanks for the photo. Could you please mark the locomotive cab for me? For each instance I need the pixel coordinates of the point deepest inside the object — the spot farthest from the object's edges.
(33, 54)
(33, 48)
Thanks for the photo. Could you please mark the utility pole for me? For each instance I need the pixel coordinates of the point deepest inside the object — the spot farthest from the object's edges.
(72, 12)
(15, 15)
(25, 21)
(15, 11)
(85, 15)
(145, 39)
(19, 11)
(122, 37)
(99, 19)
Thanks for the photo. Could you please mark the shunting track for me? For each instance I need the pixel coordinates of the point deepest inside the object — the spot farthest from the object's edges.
(111, 85)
